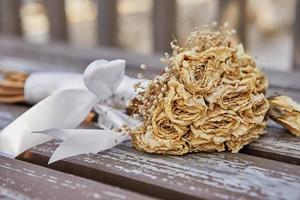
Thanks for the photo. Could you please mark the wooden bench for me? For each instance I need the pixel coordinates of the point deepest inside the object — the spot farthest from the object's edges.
(22, 180)
(266, 169)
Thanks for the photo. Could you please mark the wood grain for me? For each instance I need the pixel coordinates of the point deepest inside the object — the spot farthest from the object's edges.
(288, 80)
(21, 180)
(193, 176)
(277, 144)
(294, 94)
(10, 112)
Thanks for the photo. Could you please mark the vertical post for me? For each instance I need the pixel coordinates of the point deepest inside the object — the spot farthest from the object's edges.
(242, 21)
(164, 24)
(107, 25)
(296, 52)
(10, 17)
(57, 19)
(223, 7)
(240, 7)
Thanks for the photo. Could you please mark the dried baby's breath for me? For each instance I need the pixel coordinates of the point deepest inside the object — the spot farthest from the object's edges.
(140, 76)
(143, 67)
(211, 98)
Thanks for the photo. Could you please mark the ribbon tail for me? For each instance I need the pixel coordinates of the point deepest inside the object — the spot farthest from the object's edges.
(66, 109)
(83, 141)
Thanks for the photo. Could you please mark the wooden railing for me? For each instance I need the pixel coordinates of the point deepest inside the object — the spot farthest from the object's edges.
(163, 22)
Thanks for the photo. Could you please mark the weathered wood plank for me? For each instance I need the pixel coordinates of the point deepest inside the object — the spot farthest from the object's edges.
(164, 24)
(107, 22)
(10, 112)
(73, 57)
(288, 80)
(57, 19)
(21, 180)
(58, 56)
(277, 144)
(193, 176)
(294, 94)
(10, 17)
(296, 52)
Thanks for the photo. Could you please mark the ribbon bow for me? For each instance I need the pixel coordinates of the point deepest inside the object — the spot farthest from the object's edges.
(57, 115)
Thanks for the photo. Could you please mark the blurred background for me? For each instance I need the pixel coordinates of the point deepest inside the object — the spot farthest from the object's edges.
(267, 28)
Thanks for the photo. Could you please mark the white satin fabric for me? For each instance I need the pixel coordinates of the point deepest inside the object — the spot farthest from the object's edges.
(40, 85)
(103, 84)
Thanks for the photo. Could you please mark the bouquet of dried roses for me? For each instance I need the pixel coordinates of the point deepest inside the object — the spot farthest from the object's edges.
(210, 97)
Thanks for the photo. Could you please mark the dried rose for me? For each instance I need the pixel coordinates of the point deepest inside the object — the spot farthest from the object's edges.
(256, 111)
(180, 106)
(164, 128)
(201, 76)
(143, 139)
(253, 132)
(286, 112)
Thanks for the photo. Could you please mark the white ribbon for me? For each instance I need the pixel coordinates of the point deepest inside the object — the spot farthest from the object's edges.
(80, 141)
(40, 85)
(57, 115)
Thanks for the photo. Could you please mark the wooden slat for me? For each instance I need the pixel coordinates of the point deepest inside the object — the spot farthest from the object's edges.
(164, 24)
(60, 57)
(222, 9)
(294, 94)
(57, 19)
(10, 112)
(193, 176)
(277, 144)
(107, 22)
(116, 166)
(240, 6)
(21, 180)
(10, 17)
(296, 52)
(273, 145)
(242, 22)
(73, 58)
(68, 58)
(289, 80)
